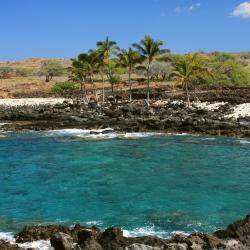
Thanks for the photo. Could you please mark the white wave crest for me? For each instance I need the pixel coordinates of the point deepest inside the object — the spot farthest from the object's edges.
(244, 142)
(36, 245)
(99, 134)
(150, 231)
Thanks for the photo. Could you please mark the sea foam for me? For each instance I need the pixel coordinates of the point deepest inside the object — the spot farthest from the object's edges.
(37, 245)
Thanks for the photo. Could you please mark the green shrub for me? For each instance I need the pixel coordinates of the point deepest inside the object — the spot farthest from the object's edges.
(23, 72)
(64, 86)
(5, 72)
(228, 70)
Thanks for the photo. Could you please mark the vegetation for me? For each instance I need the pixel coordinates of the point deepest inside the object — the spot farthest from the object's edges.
(149, 50)
(65, 86)
(23, 72)
(128, 59)
(5, 72)
(106, 49)
(189, 70)
(227, 70)
(51, 68)
(148, 58)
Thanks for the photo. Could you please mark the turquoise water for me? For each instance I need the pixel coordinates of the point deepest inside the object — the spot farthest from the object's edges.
(149, 185)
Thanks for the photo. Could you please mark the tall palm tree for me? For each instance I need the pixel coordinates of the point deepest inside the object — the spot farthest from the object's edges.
(184, 74)
(106, 49)
(149, 50)
(128, 59)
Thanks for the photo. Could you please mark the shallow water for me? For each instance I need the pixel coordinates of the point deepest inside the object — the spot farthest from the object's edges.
(146, 184)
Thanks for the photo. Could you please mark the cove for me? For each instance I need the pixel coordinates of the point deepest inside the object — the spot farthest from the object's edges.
(145, 183)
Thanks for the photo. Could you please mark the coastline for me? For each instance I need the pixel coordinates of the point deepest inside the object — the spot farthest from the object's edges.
(235, 236)
(164, 116)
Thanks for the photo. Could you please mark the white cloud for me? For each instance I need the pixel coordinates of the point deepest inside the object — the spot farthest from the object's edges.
(194, 6)
(242, 10)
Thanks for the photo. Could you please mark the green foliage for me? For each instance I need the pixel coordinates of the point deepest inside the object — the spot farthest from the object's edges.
(173, 58)
(115, 79)
(24, 72)
(51, 68)
(5, 72)
(227, 70)
(65, 86)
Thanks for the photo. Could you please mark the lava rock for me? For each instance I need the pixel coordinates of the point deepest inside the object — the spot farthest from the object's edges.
(62, 241)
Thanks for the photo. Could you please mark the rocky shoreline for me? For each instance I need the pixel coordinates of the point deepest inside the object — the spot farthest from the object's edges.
(235, 237)
(171, 116)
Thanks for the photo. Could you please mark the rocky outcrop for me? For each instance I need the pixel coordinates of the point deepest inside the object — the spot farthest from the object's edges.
(162, 115)
(235, 237)
(239, 230)
(7, 246)
(62, 241)
(33, 233)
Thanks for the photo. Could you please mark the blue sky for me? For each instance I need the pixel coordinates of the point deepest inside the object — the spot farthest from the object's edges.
(64, 28)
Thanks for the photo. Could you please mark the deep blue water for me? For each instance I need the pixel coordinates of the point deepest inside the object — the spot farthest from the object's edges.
(155, 184)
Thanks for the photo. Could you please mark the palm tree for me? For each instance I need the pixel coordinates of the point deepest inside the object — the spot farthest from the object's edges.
(149, 50)
(190, 69)
(79, 73)
(184, 74)
(129, 59)
(106, 49)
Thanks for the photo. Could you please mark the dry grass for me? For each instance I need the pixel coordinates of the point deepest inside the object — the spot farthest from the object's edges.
(31, 63)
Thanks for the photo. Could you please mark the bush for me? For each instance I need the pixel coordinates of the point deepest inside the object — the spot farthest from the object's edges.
(65, 86)
(23, 72)
(6, 72)
(229, 72)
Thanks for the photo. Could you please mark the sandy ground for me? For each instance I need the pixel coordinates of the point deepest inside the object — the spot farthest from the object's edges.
(241, 110)
(208, 106)
(30, 102)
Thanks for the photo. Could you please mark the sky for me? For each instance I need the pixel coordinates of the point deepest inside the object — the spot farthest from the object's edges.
(64, 28)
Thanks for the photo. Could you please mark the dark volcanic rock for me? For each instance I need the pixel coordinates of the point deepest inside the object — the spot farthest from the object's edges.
(113, 239)
(32, 233)
(62, 241)
(7, 246)
(239, 230)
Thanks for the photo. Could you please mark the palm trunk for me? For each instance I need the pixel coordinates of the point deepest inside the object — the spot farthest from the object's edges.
(187, 92)
(148, 83)
(94, 88)
(103, 90)
(130, 84)
(112, 89)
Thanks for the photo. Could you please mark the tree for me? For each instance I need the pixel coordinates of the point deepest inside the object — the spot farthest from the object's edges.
(83, 68)
(128, 59)
(183, 73)
(51, 68)
(149, 50)
(189, 70)
(106, 49)
(158, 70)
